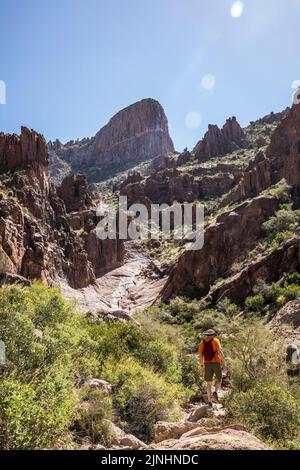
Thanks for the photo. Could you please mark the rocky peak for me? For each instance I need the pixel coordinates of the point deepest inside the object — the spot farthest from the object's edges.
(137, 133)
(282, 161)
(233, 133)
(74, 192)
(218, 142)
(29, 152)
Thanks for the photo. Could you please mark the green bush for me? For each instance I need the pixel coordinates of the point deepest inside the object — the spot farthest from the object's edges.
(270, 411)
(141, 397)
(191, 376)
(51, 349)
(276, 294)
(254, 355)
(255, 303)
(280, 237)
(34, 416)
(94, 416)
(291, 278)
(285, 220)
(282, 192)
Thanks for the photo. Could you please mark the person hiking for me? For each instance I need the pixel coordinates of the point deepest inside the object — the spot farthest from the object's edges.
(211, 362)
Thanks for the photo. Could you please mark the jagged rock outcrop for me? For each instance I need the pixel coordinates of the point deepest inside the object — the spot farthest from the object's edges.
(255, 179)
(282, 161)
(232, 235)
(268, 267)
(37, 241)
(103, 254)
(163, 187)
(274, 117)
(218, 142)
(284, 150)
(26, 152)
(136, 133)
(75, 194)
(211, 187)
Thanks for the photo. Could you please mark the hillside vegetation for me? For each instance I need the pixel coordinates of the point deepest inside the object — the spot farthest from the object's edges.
(52, 352)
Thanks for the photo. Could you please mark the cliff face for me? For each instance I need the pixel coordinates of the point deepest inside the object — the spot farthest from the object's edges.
(281, 160)
(37, 239)
(26, 152)
(284, 150)
(241, 228)
(136, 133)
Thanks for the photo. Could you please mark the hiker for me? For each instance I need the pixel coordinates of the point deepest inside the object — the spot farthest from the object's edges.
(211, 362)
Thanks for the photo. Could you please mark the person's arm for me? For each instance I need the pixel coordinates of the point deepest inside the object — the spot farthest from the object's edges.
(223, 361)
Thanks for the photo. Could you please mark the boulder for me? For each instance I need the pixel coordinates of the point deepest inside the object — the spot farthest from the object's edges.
(288, 319)
(198, 413)
(205, 439)
(165, 430)
(100, 384)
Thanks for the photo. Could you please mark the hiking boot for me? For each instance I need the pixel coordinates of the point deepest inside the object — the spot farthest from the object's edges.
(215, 396)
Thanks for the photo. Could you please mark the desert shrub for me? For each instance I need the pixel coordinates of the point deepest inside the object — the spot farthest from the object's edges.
(114, 340)
(210, 318)
(276, 294)
(51, 349)
(291, 278)
(141, 397)
(285, 220)
(33, 416)
(228, 308)
(191, 376)
(94, 416)
(280, 237)
(255, 303)
(184, 309)
(160, 356)
(255, 355)
(282, 192)
(270, 411)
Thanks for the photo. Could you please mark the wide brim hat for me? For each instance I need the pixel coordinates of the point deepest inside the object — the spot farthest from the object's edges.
(209, 332)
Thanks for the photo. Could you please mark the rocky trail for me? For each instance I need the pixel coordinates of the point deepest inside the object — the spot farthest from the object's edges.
(201, 428)
(125, 288)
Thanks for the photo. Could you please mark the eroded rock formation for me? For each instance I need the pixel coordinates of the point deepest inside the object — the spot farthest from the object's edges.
(218, 142)
(232, 235)
(37, 241)
(136, 133)
(163, 187)
(74, 192)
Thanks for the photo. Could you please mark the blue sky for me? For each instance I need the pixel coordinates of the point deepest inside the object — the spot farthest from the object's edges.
(69, 65)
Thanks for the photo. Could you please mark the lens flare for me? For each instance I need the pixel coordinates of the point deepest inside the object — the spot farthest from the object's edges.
(208, 81)
(193, 120)
(237, 9)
